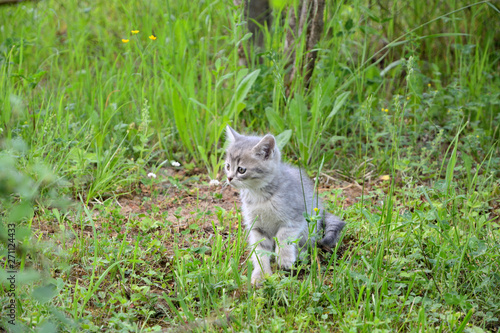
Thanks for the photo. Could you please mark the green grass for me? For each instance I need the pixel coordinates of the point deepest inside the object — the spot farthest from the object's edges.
(402, 116)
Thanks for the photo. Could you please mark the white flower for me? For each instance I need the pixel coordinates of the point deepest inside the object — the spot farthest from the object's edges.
(214, 182)
(151, 175)
(175, 163)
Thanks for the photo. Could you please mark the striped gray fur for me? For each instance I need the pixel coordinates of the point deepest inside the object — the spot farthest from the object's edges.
(274, 198)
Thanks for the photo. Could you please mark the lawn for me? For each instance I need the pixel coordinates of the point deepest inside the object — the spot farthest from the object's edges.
(114, 214)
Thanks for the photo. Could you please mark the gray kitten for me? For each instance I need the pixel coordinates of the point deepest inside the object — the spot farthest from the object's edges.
(275, 197)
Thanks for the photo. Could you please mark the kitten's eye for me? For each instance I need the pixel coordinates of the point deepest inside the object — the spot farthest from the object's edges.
(242, 170)
(228, 166)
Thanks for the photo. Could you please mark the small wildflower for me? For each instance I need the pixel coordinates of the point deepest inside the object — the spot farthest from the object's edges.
(175, 163)
(151, 175)
(429, 85)
(152, 37)
(316, 210)
(477, 136)
(135, 31)
(125, 40)
(214, 182)
(408, 98)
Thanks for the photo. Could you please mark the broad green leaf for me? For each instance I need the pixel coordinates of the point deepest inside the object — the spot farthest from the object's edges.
(283, 138)
(45, 293)
(339, 102)
(20, 211)
(244, 38)
(242, 90)
(298, 113)
(451, 167)
(275, 120)
(203, 153)
(47, 327)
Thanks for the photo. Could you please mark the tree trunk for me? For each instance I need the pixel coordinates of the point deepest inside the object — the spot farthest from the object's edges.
(258, 15)
(310, 22)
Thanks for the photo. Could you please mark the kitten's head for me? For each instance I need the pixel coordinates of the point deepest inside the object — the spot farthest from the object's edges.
(250, 161)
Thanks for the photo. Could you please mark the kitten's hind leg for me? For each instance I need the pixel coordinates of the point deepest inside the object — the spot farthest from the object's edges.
(286, 249)
(261, 261)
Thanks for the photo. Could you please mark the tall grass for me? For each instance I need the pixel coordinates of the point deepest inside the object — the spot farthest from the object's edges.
(408, 91)
(78, 77)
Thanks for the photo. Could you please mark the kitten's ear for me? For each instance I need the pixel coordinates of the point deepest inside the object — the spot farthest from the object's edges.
(266, 147)
(231, 134)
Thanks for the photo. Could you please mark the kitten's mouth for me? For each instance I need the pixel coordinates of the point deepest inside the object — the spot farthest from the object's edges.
(233, 183)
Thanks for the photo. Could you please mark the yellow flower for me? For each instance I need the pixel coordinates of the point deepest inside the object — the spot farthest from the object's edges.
(316, 210)
(135, 31)
(408, 98)
(152, 37)
(125, 40)
(385, 177)
(429, 85)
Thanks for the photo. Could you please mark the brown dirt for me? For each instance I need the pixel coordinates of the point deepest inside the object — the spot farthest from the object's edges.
(183, 198)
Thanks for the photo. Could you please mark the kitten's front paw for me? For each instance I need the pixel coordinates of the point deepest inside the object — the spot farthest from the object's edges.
(286, 260)
(257, 277)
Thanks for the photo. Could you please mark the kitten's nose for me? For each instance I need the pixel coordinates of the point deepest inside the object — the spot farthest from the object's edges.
(229, 178)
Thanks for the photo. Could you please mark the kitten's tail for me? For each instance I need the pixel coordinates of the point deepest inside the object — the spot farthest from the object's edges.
(332, 226)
